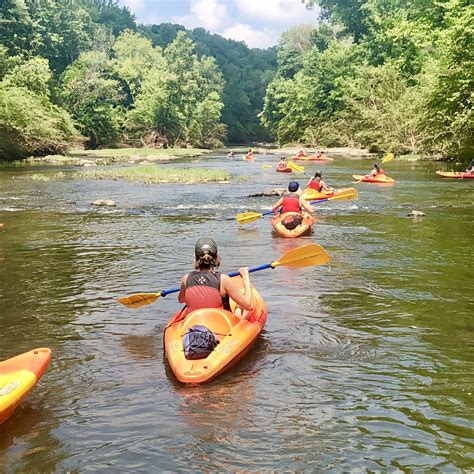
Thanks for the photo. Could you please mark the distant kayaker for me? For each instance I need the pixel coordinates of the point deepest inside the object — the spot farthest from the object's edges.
(207, 288)
(376, 171)
(282, 163)
(470, 168)
(293, 202)
(249, 154)
(318, 183)
(230, 154)
(300, 153)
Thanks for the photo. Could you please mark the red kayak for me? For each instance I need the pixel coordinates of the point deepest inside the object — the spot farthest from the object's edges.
(455, 174)
(281, 169)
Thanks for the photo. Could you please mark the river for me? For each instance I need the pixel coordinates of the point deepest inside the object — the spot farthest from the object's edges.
(365, 364)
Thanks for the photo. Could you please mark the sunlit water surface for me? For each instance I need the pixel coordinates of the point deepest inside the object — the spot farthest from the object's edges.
(365, 364)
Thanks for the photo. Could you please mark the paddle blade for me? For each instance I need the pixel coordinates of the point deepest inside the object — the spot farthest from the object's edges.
(305, 256)
(247, 217)
(344, 194)
(295, 167)
(266, 166)
(139, 299)
(388, 157)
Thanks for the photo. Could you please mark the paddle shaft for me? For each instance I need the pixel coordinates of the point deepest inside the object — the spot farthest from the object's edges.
(232, 274)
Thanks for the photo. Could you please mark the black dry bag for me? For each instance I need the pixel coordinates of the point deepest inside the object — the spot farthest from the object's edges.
(198, 342)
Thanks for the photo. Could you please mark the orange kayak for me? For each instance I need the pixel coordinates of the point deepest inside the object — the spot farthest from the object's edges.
(18, 375)
(455, 174)
(313, 158)
(303, 229)
(280, 169)
(235, 335)
(380, 178)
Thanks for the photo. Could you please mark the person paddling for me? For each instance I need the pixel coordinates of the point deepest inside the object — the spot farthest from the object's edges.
(292, 202)
(317, 183)
(376, 171)
(230, 155)
(205, 287)
(249, 155)
(282, 163)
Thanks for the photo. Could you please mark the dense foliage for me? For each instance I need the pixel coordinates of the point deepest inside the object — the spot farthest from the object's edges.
(84, 67)
(386, 74)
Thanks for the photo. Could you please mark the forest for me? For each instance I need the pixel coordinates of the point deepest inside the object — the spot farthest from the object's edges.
(386, 75)
(390, 75)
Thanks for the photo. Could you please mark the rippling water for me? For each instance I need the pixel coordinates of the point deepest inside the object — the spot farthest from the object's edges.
(365, 364)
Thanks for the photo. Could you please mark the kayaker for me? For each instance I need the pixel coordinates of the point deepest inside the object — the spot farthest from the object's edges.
(282, 163)
(318, 184)
(376, 171)
(249, 154)
(205, 287)
(230, 154)
(470, 168)
(292, 202)
(300, 154)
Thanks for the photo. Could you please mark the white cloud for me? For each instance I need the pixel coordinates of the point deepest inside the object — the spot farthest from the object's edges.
(136, 6)
(209, 14)
(253, 38)
(285, 12)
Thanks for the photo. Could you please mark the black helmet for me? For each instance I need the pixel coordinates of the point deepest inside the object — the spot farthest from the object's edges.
(318, 174)
(204, 246)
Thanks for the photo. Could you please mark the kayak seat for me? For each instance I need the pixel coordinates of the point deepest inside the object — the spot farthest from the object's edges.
(218, 321)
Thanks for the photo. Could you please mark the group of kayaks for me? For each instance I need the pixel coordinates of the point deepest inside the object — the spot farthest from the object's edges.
(235, 334)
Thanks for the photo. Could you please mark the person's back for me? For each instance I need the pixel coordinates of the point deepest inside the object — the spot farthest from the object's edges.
(291, 203)
(207, 288)
(203, 290)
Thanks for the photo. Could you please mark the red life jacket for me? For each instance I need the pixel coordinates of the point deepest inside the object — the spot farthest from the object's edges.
(203, 290)
(315, 185)
(291, 203)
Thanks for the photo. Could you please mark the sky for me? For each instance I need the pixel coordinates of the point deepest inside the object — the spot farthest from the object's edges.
(257, 22)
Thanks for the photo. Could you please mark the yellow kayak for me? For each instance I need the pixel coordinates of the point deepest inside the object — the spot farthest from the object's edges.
(18, 375)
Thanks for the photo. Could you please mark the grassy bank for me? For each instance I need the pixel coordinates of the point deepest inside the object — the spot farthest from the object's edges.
(151, 174)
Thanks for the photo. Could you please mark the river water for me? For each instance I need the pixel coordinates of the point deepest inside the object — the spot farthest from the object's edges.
(364, 364)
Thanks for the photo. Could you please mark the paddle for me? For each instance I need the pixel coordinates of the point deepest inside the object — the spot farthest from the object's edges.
(297, 168)
(300, 257)
(248, 217)
(267, 166)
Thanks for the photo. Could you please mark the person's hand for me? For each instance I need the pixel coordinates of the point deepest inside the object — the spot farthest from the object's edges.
(244, 272)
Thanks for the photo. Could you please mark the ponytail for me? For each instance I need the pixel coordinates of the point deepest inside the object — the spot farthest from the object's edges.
(207, 261)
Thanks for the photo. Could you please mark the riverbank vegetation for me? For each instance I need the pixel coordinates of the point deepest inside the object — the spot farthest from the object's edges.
(85, 71)
(387, 75)
(383, 75)
(152, 174)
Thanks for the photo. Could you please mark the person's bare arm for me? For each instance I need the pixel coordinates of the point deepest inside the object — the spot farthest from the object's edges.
(182, 288)
(232, 289)
(306, 205)
(277, 205)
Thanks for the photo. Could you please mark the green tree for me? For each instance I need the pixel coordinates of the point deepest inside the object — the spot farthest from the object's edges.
(94, 98)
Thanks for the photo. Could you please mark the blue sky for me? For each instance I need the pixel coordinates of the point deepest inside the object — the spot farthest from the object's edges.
(257, 22)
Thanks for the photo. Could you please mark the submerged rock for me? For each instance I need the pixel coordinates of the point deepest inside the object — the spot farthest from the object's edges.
(104, 202)
(272, 192)
(416, 214)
